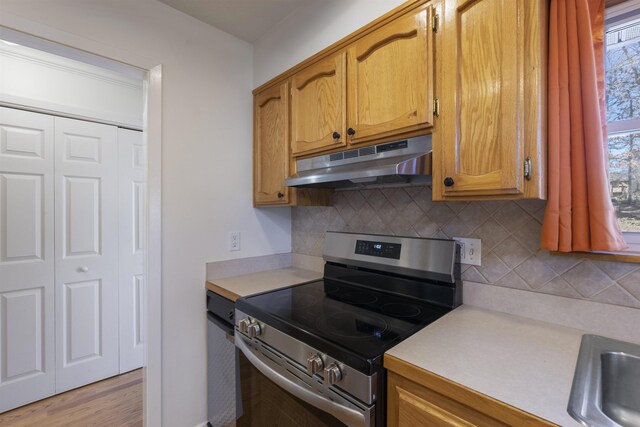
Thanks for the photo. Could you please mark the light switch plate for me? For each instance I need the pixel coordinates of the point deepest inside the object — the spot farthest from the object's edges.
(470, 250)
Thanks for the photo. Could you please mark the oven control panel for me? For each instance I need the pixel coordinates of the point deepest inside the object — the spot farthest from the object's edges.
(379, 249)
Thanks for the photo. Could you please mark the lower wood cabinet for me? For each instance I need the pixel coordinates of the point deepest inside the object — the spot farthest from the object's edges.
(430, 400)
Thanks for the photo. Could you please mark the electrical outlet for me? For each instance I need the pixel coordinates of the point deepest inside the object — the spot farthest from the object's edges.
(234, 241)
(470, 250)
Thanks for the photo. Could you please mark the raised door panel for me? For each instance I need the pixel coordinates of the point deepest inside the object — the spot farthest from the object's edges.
(411, 404)
(390, 79)
(415, 411)
(82, 334)
(318, 106)
(271, 146)
(482, 95)
(86, 206)
(22, 217)
(27, 369)
(132, 236)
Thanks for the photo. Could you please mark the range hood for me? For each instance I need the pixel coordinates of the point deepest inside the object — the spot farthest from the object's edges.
(400, 162)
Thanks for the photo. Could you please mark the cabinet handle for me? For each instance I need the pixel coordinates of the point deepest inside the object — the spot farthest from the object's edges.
(280, 195)
(448, 181)
(351, 131)
(336, 135)
(528, 169)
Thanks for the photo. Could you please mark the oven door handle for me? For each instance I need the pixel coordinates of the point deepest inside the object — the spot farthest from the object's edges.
(348, 416)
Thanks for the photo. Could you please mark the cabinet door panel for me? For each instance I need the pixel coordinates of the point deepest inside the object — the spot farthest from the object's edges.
(318, 96)
(271, 146)
(482, 95)
(390, 78)
(411, 404)
(415, 411)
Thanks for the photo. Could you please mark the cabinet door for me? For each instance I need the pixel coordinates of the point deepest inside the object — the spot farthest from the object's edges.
(318, 110)
(481, 138)
(410, 404)
(390, 78)
(271, 146)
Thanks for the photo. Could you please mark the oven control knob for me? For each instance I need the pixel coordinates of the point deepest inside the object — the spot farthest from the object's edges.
(254, 330)
(314, 364)
(243, 325)
(332, 374)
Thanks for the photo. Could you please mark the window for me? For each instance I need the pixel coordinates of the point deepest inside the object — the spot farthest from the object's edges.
(622, 66)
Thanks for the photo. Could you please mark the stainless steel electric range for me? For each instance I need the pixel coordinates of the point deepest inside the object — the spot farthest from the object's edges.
(324, 341)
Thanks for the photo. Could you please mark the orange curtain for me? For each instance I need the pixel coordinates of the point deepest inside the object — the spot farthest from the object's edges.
(579, 214)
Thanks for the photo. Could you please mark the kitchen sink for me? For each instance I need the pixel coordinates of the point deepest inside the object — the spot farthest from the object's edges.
(606, 383)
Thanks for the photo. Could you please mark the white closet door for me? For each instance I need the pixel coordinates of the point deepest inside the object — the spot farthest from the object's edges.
(27, 369)
(132, 195)
(86, 205)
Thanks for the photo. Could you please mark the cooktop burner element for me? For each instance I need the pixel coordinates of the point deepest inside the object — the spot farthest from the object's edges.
(357, 297)
(300, 301)
(401, 310)
(348, 325)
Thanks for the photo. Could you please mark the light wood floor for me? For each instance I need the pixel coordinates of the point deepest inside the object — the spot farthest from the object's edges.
(113, 402)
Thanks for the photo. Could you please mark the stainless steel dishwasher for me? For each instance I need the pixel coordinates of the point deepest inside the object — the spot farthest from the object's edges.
(224, 404)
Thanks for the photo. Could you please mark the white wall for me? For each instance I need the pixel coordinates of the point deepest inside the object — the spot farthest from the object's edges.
(308, 30)
(206, 152)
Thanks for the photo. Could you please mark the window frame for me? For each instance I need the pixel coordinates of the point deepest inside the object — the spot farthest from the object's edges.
(615, 16)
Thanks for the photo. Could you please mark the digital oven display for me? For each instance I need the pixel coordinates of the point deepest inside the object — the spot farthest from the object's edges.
(379, 249)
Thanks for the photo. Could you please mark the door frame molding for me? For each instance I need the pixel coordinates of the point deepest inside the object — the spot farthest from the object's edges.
(14, 28)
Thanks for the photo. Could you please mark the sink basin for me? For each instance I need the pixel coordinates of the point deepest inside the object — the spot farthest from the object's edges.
(621, 387)
(606, 383)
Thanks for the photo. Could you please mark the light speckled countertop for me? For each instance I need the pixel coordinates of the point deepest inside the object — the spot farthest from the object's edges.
(525, 363)
(255, 283)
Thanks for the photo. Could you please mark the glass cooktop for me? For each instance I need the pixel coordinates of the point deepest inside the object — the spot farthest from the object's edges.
(341, 317)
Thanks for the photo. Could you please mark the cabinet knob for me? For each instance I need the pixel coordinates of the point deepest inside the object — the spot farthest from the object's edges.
(83, 269)
(280, 195)
(336, 135)
(351, 131)
(448, 181)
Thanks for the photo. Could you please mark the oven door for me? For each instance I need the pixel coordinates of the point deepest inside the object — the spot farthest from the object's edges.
(277, 391)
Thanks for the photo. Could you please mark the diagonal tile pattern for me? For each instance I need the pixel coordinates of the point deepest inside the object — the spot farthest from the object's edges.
(510, 233)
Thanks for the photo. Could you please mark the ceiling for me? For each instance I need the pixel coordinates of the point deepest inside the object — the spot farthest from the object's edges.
(245, 19)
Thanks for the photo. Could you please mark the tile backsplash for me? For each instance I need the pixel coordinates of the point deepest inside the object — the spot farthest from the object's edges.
(510, 233)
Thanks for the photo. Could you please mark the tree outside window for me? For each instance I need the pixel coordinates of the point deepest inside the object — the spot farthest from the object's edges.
(623, 121)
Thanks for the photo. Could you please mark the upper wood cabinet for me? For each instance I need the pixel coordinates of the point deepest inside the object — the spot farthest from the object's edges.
(492, 131)
(271, 146)
(272, 161)
(390, 79)
(318, 110)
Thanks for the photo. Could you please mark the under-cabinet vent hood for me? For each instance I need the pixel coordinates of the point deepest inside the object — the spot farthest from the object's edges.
(400, 162)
